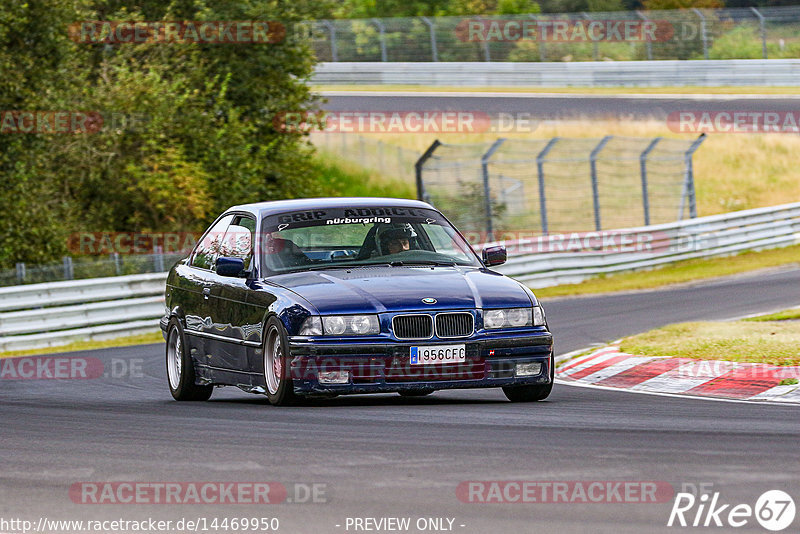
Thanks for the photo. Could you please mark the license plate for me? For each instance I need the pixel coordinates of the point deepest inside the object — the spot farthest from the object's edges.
(438, 354)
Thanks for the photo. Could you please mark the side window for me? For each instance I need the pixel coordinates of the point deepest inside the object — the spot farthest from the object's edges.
(208, 248)
(238, 242)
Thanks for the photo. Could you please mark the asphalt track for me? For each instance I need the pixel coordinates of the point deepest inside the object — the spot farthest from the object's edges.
(557, 106)
(386, 456)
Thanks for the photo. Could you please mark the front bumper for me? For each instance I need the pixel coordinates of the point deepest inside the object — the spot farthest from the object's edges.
(163, 323)
(385, 367)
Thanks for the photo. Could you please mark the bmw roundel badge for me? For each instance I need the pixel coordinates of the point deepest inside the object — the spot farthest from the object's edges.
(429, 300)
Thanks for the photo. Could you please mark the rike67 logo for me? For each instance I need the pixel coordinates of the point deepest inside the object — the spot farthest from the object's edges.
(774, 510)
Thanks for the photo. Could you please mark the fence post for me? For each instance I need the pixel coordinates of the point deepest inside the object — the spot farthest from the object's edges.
(158, 259)
(332, 32)
(761, 23)
(688, 186)
(643, 168)
(703, 34)
(69, 272)
(432, 29)
(485, 45)
(595, 53)
(487, 190)
(382, 38)
(648, 46)
(540, 171)
(421, 193)
(117, 265)
(593, 171)
(542, 50)
(21, 272)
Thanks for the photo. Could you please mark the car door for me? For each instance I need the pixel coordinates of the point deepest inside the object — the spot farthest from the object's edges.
(197, 281)
(236, 323)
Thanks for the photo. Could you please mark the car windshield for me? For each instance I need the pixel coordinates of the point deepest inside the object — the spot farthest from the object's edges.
(353, 237)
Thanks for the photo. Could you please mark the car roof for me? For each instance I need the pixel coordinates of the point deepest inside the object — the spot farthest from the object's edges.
(264, 209)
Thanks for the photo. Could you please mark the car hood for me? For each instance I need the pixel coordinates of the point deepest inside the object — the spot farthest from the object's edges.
(390, 289)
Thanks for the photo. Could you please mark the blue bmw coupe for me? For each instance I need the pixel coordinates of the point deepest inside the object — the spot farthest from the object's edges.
(323, 297)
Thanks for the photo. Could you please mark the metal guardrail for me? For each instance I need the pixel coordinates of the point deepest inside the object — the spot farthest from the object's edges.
(55, 313)
(705, 73)
(43, 315)
(716, 235)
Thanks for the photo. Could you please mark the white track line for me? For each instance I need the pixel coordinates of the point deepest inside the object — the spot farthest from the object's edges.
(778, 393)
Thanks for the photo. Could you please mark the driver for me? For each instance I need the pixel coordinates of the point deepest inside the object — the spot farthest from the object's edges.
(395, 240)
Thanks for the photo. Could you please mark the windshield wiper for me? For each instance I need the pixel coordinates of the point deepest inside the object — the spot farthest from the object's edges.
(341, 266)
(423, 262)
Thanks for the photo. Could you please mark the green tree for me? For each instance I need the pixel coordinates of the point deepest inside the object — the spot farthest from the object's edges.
(205, 139)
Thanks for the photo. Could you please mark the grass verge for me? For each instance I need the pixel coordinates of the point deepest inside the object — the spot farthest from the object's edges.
(770, 342)
(339, 177)
(139, 339)
(680, 272)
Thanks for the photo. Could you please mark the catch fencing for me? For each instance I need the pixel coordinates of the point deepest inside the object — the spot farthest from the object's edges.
(559, 184)
(734, 33)
(70, 268)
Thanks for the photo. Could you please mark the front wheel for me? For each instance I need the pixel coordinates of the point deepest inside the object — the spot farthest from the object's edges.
(532, 393)
(180, 368)
(277, 375)
(527, 393)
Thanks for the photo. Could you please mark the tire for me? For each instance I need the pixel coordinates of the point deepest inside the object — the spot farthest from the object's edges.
(531, 393)
(416, 393)
(527, 393)
(277, 376)
(181, 377)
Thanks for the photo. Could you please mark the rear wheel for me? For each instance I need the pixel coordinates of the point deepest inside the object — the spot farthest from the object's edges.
(180, 368)
(277, 375)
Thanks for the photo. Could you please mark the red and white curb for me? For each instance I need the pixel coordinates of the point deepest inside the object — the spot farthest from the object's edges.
(608, 367)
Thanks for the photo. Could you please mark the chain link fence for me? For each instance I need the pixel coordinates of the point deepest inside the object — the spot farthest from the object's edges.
(735, 33)
(89, 267)
(543, 186)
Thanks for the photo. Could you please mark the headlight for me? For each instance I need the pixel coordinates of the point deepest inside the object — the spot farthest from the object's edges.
(350, 325)
(513, 318)
(312, 326)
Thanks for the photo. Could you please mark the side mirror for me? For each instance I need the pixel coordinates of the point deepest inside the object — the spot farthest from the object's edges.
(495, 255)
(229, 266)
